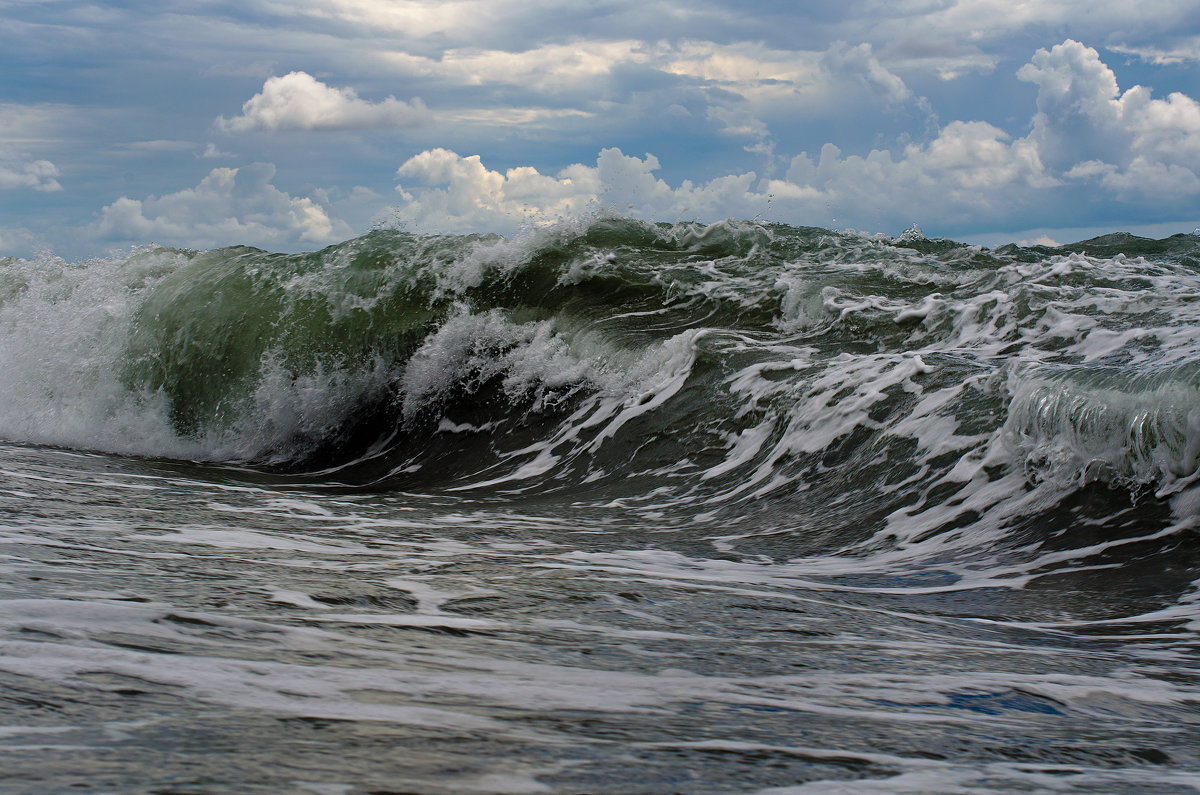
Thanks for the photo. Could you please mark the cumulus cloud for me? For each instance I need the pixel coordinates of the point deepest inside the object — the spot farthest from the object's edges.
(230, 205)
(298, 101)
(970, 168)
(29, 130)
(460, 194)
(17, 171)
(1131, 143)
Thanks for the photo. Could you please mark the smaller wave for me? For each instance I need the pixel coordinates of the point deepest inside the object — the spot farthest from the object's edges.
(1136, 429)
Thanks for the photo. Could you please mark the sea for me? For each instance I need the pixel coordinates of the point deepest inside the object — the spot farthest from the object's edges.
(605, 506)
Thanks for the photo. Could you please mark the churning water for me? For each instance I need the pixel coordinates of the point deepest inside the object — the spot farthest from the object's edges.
(608, 507)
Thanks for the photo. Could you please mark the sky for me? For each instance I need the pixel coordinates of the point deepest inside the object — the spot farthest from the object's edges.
(295, 124)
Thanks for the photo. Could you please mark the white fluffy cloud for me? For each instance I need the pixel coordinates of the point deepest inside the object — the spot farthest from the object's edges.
(970, 173)
(971, 168)
(462, 195)
(298, 101)
(24, 172)
(230, 205)
(1133, 144)
(25, 129)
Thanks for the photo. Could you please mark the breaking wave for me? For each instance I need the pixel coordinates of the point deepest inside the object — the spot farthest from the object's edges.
(892, 395)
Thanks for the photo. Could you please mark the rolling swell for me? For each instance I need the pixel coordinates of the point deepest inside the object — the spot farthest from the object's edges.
(903, 396)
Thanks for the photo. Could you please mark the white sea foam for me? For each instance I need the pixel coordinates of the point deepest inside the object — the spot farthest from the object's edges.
(469, 349)
(558, 645)
(63, 331)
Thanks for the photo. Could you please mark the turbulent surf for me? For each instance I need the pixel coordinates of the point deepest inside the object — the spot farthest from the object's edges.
(608, 506)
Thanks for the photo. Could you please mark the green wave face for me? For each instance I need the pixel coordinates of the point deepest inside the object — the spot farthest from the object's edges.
(203, 334)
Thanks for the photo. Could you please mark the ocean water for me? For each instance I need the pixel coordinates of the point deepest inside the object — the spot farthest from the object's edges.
(607, 507)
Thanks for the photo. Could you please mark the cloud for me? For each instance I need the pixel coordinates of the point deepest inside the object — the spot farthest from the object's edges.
(524, 118)
(230, 205)
(740, 89)
(1182, 52)
(971, 174)
(859, 65)
(420, 25)
(741, 64)
(594, 73)
(835, 76)
(738, 122)
(298, 101)
(213, 152)
(545, 68)
(949, 58)
(418, 19)
(17, 171)
(992, 20)
(535, 82)
(28, 126)
(158, 146)
(970, 168)
(462, 195)
(1131, 143)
